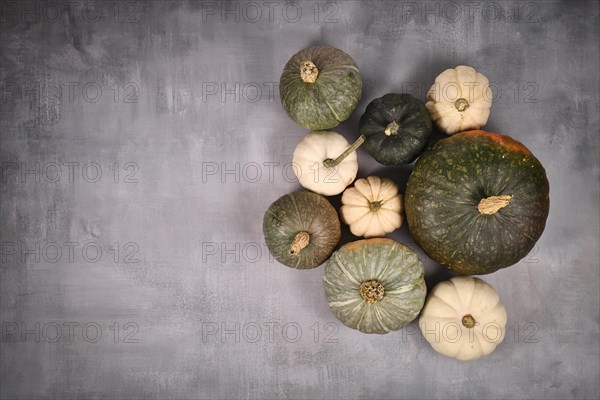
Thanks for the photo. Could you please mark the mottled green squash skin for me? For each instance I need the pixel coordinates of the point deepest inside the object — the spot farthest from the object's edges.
(392, 264)
(407, 140)
(446, 187)
(329, 100)
(301, 212)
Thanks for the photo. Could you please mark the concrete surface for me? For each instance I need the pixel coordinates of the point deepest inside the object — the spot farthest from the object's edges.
(141, 143)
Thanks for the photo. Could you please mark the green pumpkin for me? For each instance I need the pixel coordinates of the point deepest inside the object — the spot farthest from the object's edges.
(320, 87)
(477, 202)
(375, 285)
(396, 127)
(301, 229)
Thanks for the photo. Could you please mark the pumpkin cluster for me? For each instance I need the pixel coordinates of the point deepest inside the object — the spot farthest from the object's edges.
(475, 202)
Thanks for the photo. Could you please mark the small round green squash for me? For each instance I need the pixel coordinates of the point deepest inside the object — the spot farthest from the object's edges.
(397, 128)
(320, 87)
(477, 202)
(301, 229)
(375, 285)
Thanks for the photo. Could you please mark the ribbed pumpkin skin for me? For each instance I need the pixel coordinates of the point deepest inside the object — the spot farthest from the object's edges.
(296, 212)
(412, 137)
(331, 98)
(446, 186)
(394, 265)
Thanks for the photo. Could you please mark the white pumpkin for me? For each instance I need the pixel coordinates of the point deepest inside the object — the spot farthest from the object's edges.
(373, 207)
(463, 318)
(460, 100)
(325, 163)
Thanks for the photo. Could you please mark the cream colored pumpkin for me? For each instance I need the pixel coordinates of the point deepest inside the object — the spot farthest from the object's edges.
(463, 318)
(325, 163)
(373, 207)
(459, 100)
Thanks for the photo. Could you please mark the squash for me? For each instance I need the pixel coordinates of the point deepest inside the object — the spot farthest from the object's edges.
(373, 207)
(301, 230)
(320, 87)
(397, 128)
(460, 100)
(375, 285)
(477, 202)
(325, 163)
(463, 318)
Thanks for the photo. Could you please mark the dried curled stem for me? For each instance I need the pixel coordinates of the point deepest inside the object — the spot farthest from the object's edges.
(491, 205)
(372, 291)
(308, 71)
(301, 240)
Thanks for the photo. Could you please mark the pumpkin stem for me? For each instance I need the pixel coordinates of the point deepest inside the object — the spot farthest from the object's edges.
(308, 71)
(300, 241)
(392, 128)
(371, 291)
(331, 163)
(468, 321)
(376, 205)
(461, 104)
(491, 205)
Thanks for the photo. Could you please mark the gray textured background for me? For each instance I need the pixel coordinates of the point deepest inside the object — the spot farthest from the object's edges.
(188, 92)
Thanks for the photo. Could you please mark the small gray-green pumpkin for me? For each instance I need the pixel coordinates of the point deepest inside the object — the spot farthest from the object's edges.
(397, 128)
(320, 87)
(375, 285)
(301, 229)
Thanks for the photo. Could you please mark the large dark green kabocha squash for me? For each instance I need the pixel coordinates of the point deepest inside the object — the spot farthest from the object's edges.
(320, 87)
(375, 285)
(396, 127)
(301, 229)
(477, 202)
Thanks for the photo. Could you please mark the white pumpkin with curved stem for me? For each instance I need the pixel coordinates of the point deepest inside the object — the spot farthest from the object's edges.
(325, 162)
(459, 100)
(373, 207)
(463, 318)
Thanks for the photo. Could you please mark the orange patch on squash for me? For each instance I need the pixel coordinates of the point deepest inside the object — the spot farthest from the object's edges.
(355, 245)
(505, 141)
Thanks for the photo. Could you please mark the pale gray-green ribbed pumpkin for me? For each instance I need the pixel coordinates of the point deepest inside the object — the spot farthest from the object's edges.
(320, 87)
(375, 285)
